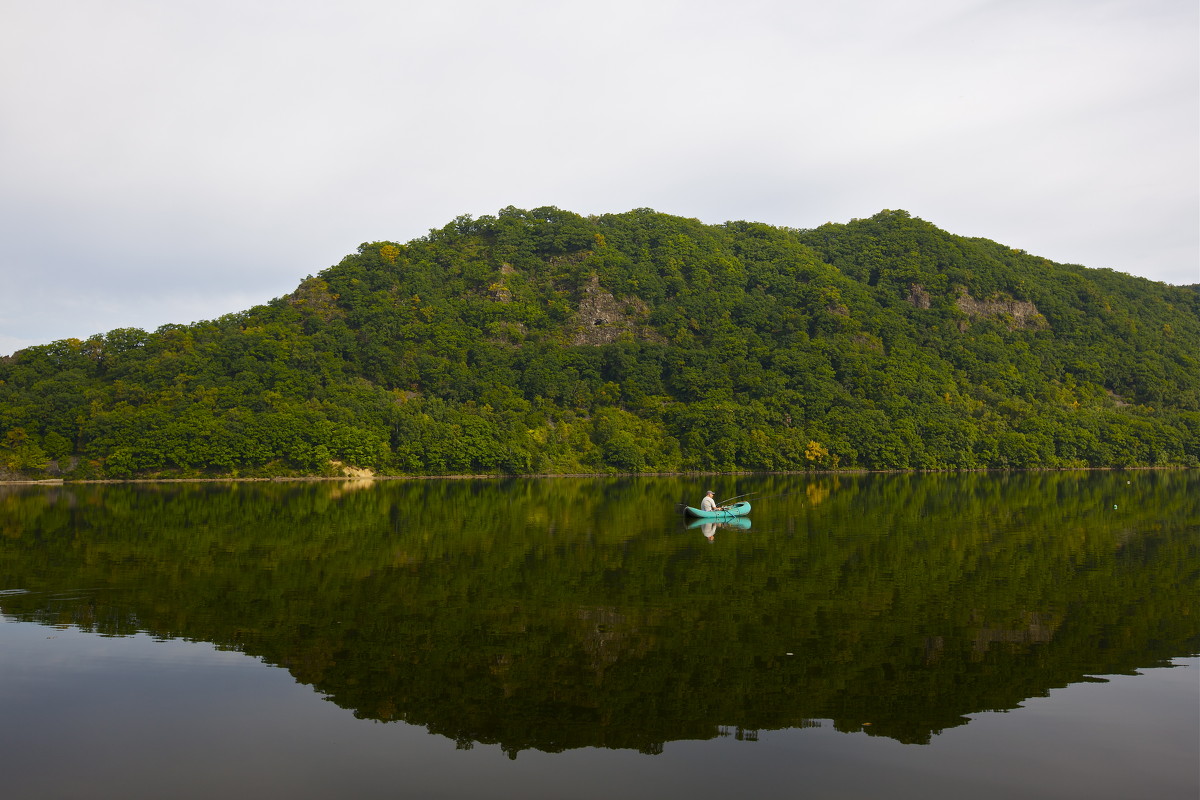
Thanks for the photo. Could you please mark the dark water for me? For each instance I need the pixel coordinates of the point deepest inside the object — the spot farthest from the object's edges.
(979, 636)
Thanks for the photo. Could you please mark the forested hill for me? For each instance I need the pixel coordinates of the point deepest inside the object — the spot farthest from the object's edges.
(544, 341)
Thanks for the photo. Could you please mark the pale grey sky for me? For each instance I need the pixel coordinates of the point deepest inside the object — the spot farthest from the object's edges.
(171, 161)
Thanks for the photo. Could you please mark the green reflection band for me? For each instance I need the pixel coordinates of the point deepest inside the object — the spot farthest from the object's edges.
(563, 613)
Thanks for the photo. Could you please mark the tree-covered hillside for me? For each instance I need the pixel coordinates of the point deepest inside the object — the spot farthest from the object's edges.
(544, 341)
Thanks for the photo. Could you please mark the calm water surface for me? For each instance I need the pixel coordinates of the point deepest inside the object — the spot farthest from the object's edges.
(982, 636)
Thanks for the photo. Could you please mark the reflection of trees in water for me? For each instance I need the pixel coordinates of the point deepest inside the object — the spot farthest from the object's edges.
(568, 613)
(1038, 630)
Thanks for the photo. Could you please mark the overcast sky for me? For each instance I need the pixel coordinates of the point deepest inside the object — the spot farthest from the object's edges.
(167, 161)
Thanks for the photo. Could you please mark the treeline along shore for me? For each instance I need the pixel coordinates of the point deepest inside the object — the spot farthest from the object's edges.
(545, 342)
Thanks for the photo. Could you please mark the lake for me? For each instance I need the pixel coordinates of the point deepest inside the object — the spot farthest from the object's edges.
(968, 635)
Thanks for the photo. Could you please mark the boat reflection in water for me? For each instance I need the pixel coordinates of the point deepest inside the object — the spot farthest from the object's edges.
(710, 527)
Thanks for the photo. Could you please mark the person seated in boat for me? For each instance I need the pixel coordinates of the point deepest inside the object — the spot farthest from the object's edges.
(708, 504)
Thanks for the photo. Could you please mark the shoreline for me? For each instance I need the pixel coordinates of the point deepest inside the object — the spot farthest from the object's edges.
(484, 476)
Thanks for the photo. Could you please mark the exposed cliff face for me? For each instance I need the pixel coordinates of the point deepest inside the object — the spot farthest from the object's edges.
(918, 296)
(1018, 313)
(604, 319)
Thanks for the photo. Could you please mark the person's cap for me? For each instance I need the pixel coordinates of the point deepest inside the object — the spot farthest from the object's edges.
(710, 491)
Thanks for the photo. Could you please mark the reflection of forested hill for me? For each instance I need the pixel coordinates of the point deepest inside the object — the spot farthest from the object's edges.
(542, 341)
(567, 613)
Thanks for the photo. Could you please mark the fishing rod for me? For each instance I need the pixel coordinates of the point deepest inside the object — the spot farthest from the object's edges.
(767, 497)
(788, 493)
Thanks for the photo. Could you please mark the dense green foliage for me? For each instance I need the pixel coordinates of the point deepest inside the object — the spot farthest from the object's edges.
(545, 342)
(571, 612)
